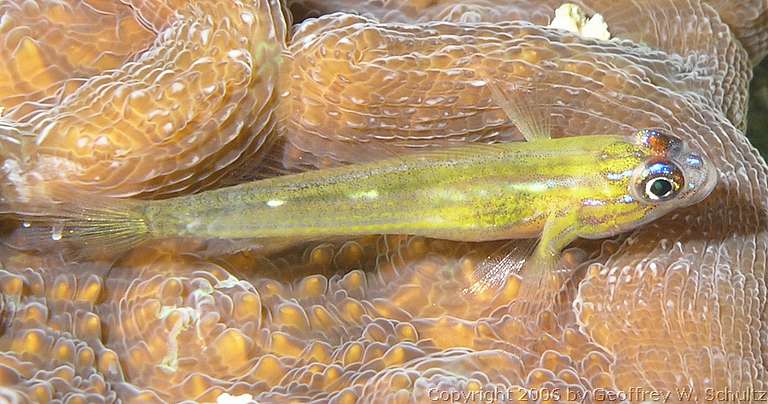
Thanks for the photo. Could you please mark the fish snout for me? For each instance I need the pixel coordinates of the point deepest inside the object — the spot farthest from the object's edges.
(701, 175)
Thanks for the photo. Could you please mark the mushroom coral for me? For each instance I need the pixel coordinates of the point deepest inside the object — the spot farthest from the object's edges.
(153, 98)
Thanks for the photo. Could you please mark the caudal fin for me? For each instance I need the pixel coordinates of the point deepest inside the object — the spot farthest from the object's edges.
(57, 219)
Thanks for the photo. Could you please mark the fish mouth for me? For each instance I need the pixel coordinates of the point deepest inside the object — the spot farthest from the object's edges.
(701, 175)
(705, 179)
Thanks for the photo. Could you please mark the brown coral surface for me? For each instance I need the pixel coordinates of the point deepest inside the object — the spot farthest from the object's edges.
(160, 97)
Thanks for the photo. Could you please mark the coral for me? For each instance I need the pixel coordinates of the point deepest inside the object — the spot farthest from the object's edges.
(157, 114)
(677, 305)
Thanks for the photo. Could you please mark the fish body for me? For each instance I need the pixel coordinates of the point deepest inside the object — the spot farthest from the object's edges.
(552, 189)
(591, 186)
(471, 193)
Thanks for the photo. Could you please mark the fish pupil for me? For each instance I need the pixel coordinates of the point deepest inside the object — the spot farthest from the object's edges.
(661, 187)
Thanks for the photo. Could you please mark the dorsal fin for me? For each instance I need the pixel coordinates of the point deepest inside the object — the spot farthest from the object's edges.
(534, 125)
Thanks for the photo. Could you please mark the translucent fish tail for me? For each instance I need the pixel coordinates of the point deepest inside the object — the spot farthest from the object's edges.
(11, 173)
(57, 219)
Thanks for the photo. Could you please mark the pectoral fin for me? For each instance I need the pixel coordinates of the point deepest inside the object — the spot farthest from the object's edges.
(543, 274)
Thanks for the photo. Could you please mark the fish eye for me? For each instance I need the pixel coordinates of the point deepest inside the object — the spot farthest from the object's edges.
(659, 188)
(661, 181)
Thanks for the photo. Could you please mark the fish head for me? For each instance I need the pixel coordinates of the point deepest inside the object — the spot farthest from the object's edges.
(672, 175)
(645, 176)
